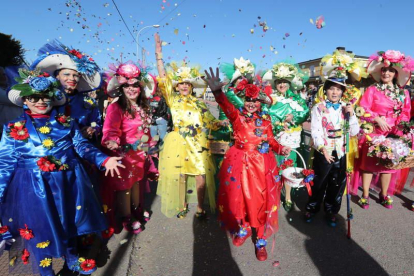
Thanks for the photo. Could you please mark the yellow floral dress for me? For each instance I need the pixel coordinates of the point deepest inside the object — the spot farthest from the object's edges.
(185, 152)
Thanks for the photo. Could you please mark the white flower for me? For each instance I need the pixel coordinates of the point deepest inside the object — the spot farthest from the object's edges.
(184, 72)
(283, 71)
(244, 66)
(93, 124)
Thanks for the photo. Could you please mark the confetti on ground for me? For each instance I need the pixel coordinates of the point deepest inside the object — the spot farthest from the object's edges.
(123, 241)
(275, 263)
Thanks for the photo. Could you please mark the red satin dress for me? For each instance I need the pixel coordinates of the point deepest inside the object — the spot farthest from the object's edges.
(249, 192)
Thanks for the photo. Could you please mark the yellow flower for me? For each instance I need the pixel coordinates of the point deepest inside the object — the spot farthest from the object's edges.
(48, 143)
(81, 260)
(12, 261)
(274, 208)
(18, 124)
(368, 138)
(44, 130)
(43, 244)
(45, 262)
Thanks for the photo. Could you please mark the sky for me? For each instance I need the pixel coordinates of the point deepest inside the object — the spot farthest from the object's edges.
(209, 32)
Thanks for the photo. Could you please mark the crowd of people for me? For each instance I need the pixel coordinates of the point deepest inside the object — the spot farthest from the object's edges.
(67, 172)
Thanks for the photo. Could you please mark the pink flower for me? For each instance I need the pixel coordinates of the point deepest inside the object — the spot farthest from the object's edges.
(393, 56)
(128, 70)
(387, 63)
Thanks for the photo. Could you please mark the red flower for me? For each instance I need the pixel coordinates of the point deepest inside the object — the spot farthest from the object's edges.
(306, 172)
(45, 165)
(25, 256)
(288, 163)
(76, 53)
(241, 86)
(46, 74)
(340, 68)
(18, 131)
(90, 59)
(108, 233)
(26, 233)
(252, 91)
(62, 119)
(3, 229)
(87, 265)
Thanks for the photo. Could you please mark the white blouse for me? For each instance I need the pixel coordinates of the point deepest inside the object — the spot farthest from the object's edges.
(327, 128)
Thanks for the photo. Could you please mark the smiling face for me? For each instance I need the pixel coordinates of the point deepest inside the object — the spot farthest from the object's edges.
(69, 79)
(38, 104)
(282, 86)
(252, 107)
(184, 88)
(131, 91)
(388, 74)
(334, 92)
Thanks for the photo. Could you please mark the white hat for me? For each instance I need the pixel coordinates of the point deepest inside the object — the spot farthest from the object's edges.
(55, 56)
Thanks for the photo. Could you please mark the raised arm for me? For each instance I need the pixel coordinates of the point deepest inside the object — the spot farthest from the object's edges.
(216, 87)
(158, 56)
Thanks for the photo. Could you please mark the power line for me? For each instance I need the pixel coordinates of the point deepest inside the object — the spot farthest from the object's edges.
(133, 37)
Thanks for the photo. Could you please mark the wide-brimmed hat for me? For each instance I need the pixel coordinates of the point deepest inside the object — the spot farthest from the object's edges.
(129, 73)
(55, 56)
(342, 64)
(281, 71)
(31, 83)
(299, 80)
(239, 68)
(187, 74)
(404, 65)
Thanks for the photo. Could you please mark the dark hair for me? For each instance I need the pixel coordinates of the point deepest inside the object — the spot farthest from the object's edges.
(330, 84)
(126, 106)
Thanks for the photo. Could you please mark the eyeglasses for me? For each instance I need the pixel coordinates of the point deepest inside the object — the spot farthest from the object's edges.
(35, 99)
(130, 85)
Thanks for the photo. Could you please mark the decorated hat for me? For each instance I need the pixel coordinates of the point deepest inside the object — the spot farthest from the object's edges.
(342, 64)
(239, 68)
(391, 58)
(187, 74)
(281, 71)
(55, 56)
(248, 91)
(31, 83)
(129, 73)
(299, 80)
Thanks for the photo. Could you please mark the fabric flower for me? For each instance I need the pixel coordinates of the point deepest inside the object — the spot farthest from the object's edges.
(108, 233)
(393, 56)
(46, 262)
(4, 230)
(241, 86)
(44, 130)
(18, 131)
(26, 233)
(25, 256)
(43, 244)
(258, 132)
(45, 164)
(263, 147)
(261, 243)
(242, 232)
(252, 91)
(40, 83)
(87, 265)
(258, 122)
(48, 143)
(244, 66)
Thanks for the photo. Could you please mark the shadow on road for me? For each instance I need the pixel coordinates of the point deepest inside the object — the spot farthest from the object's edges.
(211, 250)
(330, 250)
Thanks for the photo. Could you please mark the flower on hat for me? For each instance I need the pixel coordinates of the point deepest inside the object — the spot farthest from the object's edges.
(284, 70)
(244, 66)
(393, 56)
(184, 73)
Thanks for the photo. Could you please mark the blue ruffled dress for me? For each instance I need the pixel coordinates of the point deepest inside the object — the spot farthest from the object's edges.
(56, 205)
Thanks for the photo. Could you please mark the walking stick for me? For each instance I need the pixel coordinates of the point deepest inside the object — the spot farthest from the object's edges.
(348, 176)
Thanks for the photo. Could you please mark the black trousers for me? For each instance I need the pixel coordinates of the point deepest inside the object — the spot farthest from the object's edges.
(329, 184)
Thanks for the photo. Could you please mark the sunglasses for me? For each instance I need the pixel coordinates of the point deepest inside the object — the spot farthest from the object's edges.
(35, 99)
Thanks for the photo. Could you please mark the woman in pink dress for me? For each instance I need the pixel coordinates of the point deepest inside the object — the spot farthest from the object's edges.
(126, 133)
(385, 104)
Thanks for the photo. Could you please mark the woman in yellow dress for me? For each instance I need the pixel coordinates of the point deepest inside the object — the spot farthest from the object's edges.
(185, 151)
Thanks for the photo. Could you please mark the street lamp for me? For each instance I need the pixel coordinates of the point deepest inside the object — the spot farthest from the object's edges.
(137, 37)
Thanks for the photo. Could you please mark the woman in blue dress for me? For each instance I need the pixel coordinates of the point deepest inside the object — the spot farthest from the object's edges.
(46, 195)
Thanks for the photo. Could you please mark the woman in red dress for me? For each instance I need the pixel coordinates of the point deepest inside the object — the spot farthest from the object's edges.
(249, 193)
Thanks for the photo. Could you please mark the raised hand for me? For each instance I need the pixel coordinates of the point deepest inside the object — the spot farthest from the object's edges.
(214, 81)
(112, 165)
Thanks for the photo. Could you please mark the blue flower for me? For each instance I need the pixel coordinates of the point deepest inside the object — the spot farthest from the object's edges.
(40, 83)
(233, 179)
(277, 178)
(309, 178)
(263, 147)
(258, 132)
(58, 95)
(261, 243)
(258, 122)
(86, 66)
(242, 232)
